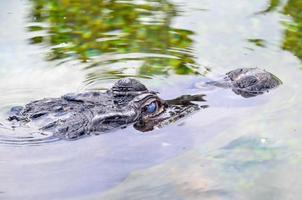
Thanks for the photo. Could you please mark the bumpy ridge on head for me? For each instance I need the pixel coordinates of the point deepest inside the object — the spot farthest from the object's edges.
(128, 86)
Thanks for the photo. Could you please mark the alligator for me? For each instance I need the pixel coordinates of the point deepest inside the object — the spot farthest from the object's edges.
(128, 102)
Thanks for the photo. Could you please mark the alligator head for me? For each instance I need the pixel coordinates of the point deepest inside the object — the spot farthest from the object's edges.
(142, 107)
(127, 102)
(171, 111)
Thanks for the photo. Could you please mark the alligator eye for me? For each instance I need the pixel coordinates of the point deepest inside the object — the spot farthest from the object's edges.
(152, 107)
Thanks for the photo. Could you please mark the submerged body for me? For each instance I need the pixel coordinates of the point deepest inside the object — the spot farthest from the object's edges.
(128, 102)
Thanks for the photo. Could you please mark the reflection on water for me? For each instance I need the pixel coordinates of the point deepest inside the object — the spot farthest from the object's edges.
(273, 5)
(236, 149)
(248, 167)
(293, 34)
(257, 42)
(115, 38)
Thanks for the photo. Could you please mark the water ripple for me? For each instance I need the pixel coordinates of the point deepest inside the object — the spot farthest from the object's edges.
(23, 136)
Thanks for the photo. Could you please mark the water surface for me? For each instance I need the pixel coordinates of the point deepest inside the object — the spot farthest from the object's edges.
(235, 149)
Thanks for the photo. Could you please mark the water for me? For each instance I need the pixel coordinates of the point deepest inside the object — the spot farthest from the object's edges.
(235, 149)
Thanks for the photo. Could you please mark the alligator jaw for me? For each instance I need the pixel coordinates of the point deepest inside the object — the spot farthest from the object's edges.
(176, 109)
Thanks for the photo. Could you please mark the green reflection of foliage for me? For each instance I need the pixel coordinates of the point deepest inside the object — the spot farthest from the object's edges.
(273, 5)
(93, 29)
(293, 35)
(258, 42)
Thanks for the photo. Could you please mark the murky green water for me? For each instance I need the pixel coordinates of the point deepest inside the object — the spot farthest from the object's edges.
(235, 149)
